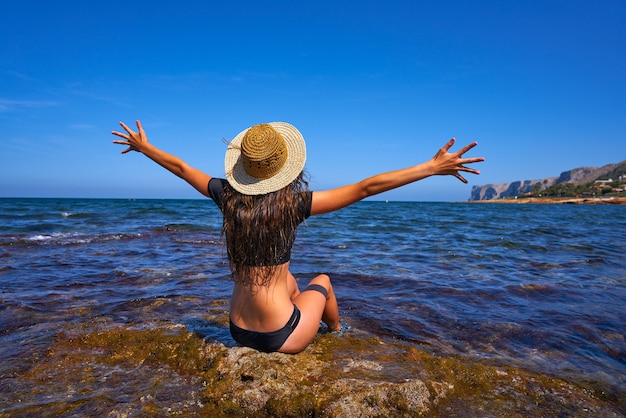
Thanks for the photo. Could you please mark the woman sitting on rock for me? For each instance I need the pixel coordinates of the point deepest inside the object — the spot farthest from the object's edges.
(263, 199)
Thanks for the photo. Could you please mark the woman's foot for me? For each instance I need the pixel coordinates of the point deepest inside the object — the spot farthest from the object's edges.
(339, 328)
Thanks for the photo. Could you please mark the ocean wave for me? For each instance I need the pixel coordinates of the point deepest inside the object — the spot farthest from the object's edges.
(79, 215)
(62, 238)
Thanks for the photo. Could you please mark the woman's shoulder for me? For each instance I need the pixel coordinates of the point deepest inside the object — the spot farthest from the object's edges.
(216, 189)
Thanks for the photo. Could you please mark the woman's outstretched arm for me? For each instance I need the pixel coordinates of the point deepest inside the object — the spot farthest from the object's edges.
(138, 141)
(443, 163)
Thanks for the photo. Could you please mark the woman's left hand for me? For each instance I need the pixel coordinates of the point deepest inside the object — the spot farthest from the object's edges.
(447, 163)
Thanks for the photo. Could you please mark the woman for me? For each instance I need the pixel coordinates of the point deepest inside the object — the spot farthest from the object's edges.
(264, 198)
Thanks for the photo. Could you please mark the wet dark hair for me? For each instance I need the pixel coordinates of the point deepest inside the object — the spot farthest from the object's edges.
(259, 228)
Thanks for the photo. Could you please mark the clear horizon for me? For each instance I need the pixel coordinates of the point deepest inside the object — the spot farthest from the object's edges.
(372, 87)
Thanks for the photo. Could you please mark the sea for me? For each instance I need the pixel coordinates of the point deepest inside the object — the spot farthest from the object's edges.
(540, 287)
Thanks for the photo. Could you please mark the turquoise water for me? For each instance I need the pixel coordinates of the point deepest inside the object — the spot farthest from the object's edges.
(542, 287)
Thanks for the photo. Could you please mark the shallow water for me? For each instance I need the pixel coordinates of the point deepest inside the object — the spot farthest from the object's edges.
(541, 287)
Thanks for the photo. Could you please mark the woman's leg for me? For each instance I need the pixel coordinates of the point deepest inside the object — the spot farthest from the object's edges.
(313, 306)
(331, 308)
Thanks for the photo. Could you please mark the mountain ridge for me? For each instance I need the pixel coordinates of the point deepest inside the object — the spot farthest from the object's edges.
(576, 176)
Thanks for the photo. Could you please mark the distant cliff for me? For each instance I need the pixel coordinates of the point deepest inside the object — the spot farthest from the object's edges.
(582, 175)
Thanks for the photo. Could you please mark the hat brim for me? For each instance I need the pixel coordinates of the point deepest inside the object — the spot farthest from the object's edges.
(245, 183)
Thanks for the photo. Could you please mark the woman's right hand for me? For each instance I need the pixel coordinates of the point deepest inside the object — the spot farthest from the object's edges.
(135, 140)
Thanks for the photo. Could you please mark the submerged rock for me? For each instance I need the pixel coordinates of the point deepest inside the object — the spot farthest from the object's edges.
(357, 376)
(338, 383)
(170, 371)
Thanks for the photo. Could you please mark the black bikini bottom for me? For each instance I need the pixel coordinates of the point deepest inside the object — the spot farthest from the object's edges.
(272, 341)
(266, 341)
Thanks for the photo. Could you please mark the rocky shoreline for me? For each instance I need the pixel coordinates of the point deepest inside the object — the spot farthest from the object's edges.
(170, 371)
(366, 377)
(565, 200)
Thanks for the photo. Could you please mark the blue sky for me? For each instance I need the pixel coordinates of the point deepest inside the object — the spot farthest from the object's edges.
(373, 86)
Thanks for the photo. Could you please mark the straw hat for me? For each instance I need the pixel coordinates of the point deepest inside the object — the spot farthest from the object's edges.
(265, 158)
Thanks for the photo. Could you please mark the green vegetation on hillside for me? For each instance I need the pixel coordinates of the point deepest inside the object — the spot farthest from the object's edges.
(600, 188)
(610, 184)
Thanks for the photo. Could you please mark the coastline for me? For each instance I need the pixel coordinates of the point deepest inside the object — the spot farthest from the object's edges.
(559, 201)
